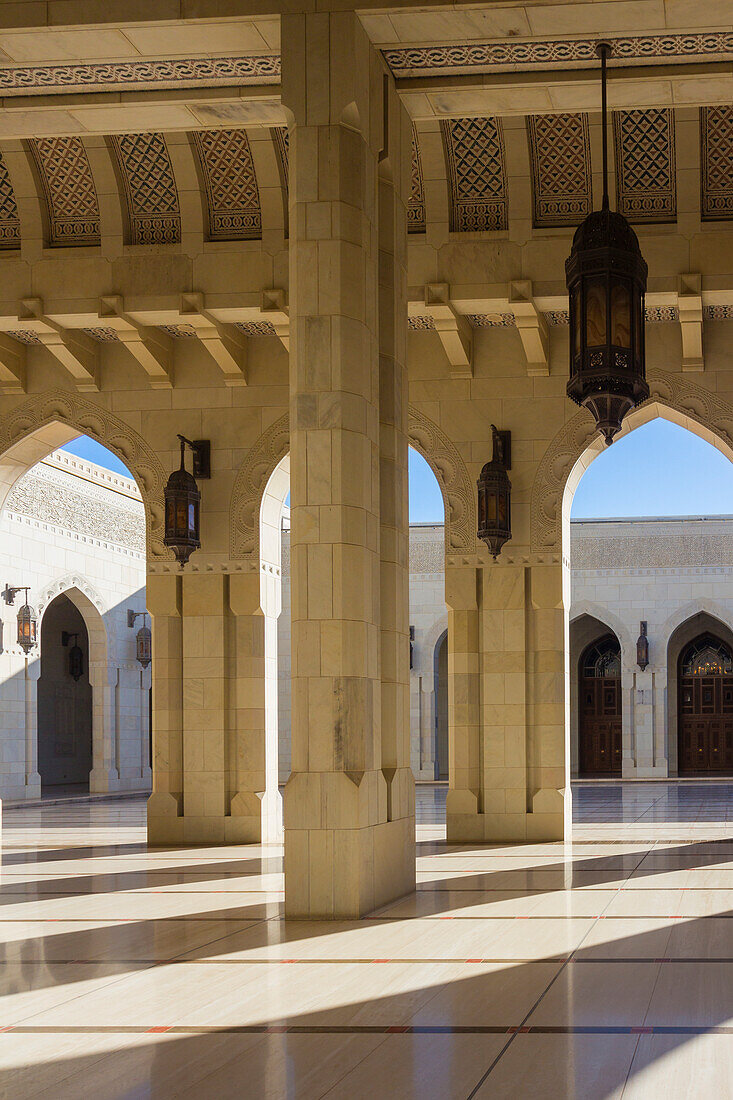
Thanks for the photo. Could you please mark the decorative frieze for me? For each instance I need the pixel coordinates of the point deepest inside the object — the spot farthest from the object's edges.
(416, 202)
(9, 220)
(474, 153)
(559, 153)
(232, 195)
(151, 197)
(256, 328)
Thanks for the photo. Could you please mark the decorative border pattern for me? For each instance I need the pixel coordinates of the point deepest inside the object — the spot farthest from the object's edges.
(256, 328)
(151, 197)
(232, 195)
(179, 332)
(674, 391)
(491, 320)
(281, 141)
(558, 317)
(474, 154)
(416, 202)
(68, 188)
(188, 72)
(9, 220)
(716, 160)
(578, 53)
(655, 314)
(103, 335)
(423, 323)
(559, 153)
(424, 435)
(64, 407)
(646, 179)
(718, 313)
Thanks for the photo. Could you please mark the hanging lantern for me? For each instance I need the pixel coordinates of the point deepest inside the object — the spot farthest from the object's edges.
(642, 647)
(76, 656)
(144, 646)
(27, 626)
(606, 279)
(495, 495)
(182, 501)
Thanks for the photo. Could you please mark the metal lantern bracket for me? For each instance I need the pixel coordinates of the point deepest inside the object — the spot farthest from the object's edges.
(10, 593)
(503, 443)
(132, 616)
(201, 449)
(66, 637)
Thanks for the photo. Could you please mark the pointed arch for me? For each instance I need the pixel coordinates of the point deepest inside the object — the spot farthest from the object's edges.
(424, 435)
(48, 420)
(609, 620)
(673, 397)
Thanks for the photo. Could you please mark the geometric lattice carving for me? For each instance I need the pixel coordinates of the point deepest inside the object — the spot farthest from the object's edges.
(474, 153)
(559, 153)
(718, 313)
(645, 164)
(416, 202)
(9, 220)
(716, 162)
(255, 328)
(423, 322)
(179, 332)
(68, 188)
(424, 435)
(233, 200)
(281, 142)
(153, 214)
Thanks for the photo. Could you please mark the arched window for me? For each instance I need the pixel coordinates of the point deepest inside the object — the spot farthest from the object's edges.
(602, 660)
(706, 656)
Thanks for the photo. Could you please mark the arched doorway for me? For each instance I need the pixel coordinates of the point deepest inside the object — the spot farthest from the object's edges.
(65, 712)
(599, 700)
(705, 707)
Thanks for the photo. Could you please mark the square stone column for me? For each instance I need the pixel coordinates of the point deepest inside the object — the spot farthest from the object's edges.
(506, 703)
(163, 596)
(349, 839)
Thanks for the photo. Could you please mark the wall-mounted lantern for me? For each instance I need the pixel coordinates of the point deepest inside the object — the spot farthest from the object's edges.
(412, 646)
(495, 494)
(76, 657)
(27, 618)
(183, 499)
(143, 638)
(606, 279)
(642, 646)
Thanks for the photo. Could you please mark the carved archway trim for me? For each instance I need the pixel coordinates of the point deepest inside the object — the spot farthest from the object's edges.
(675, 392)
(424, 435)
(81, 414)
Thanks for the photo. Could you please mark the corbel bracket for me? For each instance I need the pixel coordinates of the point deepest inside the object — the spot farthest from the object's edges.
(148, 345)
(689, 306)
(226, 346)
(454, 331)
(532, 327)
(75, 351)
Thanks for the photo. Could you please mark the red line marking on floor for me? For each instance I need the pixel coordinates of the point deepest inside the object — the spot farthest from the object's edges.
(381, 960)
(157, 1029)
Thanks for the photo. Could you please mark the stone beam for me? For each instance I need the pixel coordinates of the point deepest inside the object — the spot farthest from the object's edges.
(12, 365)
(147, 344)
(75, 351)
(690, 307)
(452, 328)
(532, 327)
(226, 346)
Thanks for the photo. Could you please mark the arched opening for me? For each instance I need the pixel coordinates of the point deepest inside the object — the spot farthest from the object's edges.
(644, 525)
(73, 532)
(700, 693)
(65, 706)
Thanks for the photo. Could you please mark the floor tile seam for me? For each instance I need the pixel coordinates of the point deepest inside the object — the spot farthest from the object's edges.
(366, 1029)
(113, 980)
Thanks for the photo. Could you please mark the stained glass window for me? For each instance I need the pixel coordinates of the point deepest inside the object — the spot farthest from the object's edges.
(707, 656)
(603, 659)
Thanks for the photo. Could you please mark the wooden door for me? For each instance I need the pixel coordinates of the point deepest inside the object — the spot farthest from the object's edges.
(705, 743)
(599, 716)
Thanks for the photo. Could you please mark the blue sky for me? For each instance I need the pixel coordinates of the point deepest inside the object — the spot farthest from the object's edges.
(656, 470)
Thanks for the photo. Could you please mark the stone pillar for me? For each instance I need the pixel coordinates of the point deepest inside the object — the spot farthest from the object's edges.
(104, 775)
(146, 774)
(32, 672)
(163, 596)
(428, 730)
(506, 703)
(348, 823)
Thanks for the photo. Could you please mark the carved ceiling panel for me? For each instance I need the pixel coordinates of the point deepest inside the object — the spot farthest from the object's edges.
(645, 165)
(559, 153)
(151, 196)
(474, 153)
(9, 220)
(716, 159)
(416, 202)
(232, 195)
(69, 193)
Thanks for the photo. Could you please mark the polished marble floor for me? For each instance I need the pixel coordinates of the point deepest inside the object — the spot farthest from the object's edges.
(599, 968)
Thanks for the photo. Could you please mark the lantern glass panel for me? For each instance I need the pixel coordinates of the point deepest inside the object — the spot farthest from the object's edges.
(575, 320)
(595, 312)
(502, 510)
(638, 324)
(192, 520)
(621, 314)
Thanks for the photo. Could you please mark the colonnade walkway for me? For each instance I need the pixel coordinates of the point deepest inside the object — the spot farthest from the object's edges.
(600, 968)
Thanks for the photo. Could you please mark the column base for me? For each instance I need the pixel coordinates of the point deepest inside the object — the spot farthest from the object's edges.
(33, 785)
(343, 859)
(465, 825)
(102, 780)
(254, 820)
